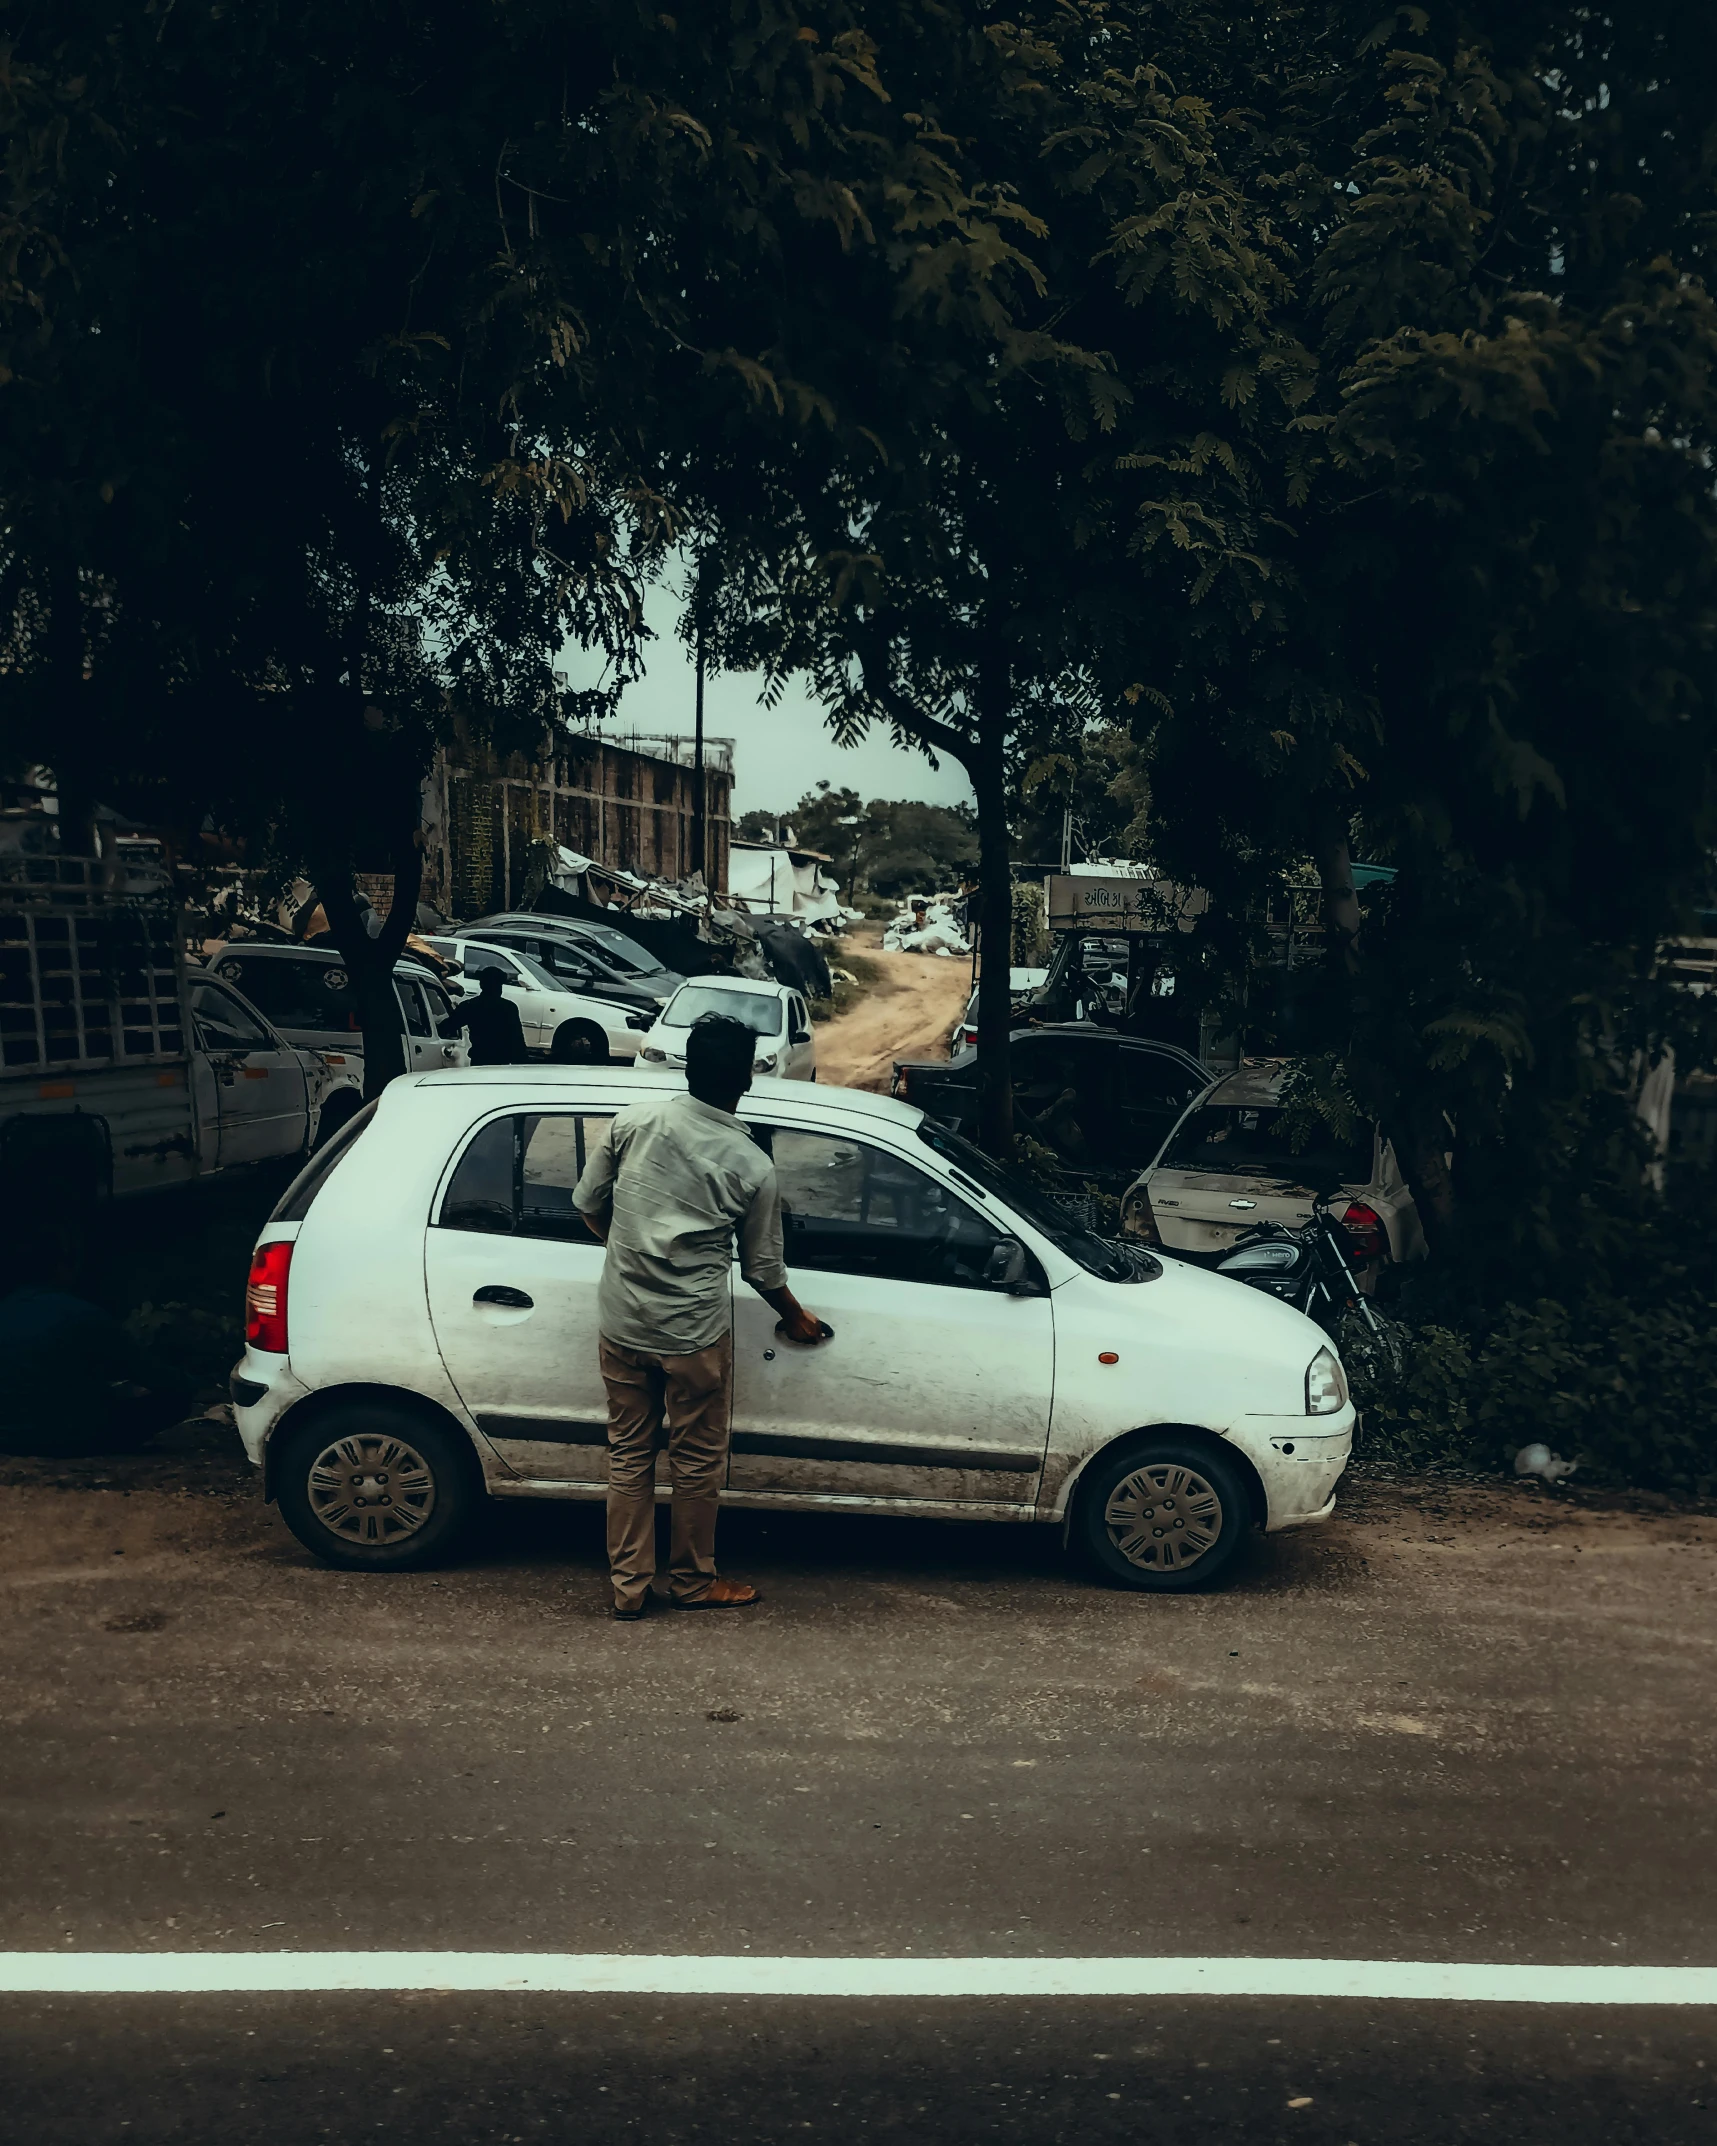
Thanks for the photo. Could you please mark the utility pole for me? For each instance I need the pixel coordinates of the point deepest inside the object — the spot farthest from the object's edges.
(1067, 841)
(700, 829)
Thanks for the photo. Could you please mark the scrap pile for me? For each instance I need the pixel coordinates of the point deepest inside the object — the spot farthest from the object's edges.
(929, 924)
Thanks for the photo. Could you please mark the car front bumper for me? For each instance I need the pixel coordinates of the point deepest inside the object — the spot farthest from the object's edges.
(1299, 1460)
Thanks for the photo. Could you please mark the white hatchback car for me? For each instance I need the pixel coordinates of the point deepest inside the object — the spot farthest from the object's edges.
(775, 1013)
(421, 1331)
(571, 1027)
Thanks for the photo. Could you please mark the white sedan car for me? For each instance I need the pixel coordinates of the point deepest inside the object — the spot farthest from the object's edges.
(775, 1013)
(421, 1332)
(571, 1027)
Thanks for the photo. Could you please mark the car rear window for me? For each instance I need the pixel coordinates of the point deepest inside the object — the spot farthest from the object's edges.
(295, 1200)
(1253, 1140)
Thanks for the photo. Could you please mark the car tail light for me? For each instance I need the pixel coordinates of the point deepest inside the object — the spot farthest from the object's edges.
(265, 1298)
(1138, 1219)
(1365, 1226)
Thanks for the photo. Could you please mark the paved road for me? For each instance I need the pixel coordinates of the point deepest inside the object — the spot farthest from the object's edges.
(1458, 1725)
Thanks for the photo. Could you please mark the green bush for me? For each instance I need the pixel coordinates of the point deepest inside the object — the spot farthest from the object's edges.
(1622, 1388)
(1418, 1412)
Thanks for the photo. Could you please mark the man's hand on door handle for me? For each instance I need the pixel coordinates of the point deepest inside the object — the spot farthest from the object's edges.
(797, 1324)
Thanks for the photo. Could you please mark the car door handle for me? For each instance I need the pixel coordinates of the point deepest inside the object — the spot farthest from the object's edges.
(499, 1293)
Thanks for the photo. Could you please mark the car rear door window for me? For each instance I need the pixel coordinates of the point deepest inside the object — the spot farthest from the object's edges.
(411, 998)
(850, 1208)
(516, 1177)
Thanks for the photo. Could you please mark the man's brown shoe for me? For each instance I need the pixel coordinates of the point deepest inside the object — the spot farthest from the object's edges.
(723, 1594)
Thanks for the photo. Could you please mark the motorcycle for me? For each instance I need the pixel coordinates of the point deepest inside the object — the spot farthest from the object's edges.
(1311, 1269)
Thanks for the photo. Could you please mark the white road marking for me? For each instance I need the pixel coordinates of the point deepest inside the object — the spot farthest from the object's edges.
(103, 1974)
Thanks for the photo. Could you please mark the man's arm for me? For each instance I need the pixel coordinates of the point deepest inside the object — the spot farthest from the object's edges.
(762, 1265)
(593, 1195)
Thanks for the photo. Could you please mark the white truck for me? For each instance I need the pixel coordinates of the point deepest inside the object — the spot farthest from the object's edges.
(128, 1071)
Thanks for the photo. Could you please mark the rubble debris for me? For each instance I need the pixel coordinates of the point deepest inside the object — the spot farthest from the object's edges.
(929, 924)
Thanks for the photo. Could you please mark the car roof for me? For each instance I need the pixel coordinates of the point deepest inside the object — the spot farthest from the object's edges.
(537, 1084)
(1084, 1031)
(1259, 1081)
(739, 983)
(329, 956)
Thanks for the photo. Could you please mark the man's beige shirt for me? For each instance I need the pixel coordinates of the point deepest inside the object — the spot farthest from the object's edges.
(683, 1178)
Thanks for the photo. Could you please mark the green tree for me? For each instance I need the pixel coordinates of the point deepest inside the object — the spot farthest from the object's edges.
(349, 353)
(1483, 626)
(955, 566)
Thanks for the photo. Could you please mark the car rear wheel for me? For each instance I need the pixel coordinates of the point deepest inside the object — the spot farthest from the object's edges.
(578, 1043)
(1165, 1515)
(371, 1486)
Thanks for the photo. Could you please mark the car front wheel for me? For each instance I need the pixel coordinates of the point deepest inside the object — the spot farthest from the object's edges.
(371, 1486)
(1164, 1516)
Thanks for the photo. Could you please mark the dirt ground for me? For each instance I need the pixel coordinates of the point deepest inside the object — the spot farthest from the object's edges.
(908, 1013)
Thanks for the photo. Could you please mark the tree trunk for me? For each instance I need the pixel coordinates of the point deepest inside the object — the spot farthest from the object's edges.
(1421, 1138)
(988, 770)
(1340, 903)
(370, 962)
(1422, 1147)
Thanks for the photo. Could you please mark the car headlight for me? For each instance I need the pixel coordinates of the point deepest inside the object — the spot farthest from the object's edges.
(1326, 1385)
(656, 1057)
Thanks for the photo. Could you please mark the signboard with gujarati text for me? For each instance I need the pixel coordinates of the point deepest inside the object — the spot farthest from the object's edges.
(1121, 905)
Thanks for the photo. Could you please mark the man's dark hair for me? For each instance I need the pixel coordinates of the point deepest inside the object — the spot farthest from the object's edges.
(489, 980)
(719, 1053)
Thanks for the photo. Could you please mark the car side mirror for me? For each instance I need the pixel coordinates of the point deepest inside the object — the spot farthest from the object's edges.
(1006, 1266)
(642, 1022)
(799, 1035)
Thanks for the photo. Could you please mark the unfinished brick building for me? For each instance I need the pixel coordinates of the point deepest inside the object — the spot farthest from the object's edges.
(624, 807)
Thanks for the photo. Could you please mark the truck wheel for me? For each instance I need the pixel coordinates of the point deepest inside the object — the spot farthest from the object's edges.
(1164, 1516)
(371, 1486)
(578, 1043)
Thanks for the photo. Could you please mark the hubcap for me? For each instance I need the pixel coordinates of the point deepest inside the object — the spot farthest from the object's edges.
(1163, 1517)
(371, 1490)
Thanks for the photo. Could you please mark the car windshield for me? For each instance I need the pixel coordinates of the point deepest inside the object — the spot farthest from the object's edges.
(1252, 1140)
(1110, 1262)
(627, 955)
(760, 1011)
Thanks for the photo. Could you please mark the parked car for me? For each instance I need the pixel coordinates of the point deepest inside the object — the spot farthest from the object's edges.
(125, 1068)
(1022, 984)
(575, 1027)
(581, 956)
(263, 1097)
(775, 1013)
(1230, 1164)
(306, 992)
(422, 1332)
(1102, 1103)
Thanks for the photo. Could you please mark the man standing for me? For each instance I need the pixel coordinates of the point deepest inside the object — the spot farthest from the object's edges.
(497, 1033)
(666, 1188)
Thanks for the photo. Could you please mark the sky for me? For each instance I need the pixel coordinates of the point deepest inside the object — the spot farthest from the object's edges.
(779, 753)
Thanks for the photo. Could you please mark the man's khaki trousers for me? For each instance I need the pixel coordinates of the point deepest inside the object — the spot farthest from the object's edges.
(687, 1395)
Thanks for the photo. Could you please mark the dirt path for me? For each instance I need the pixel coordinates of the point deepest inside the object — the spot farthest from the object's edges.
(908, 1013)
